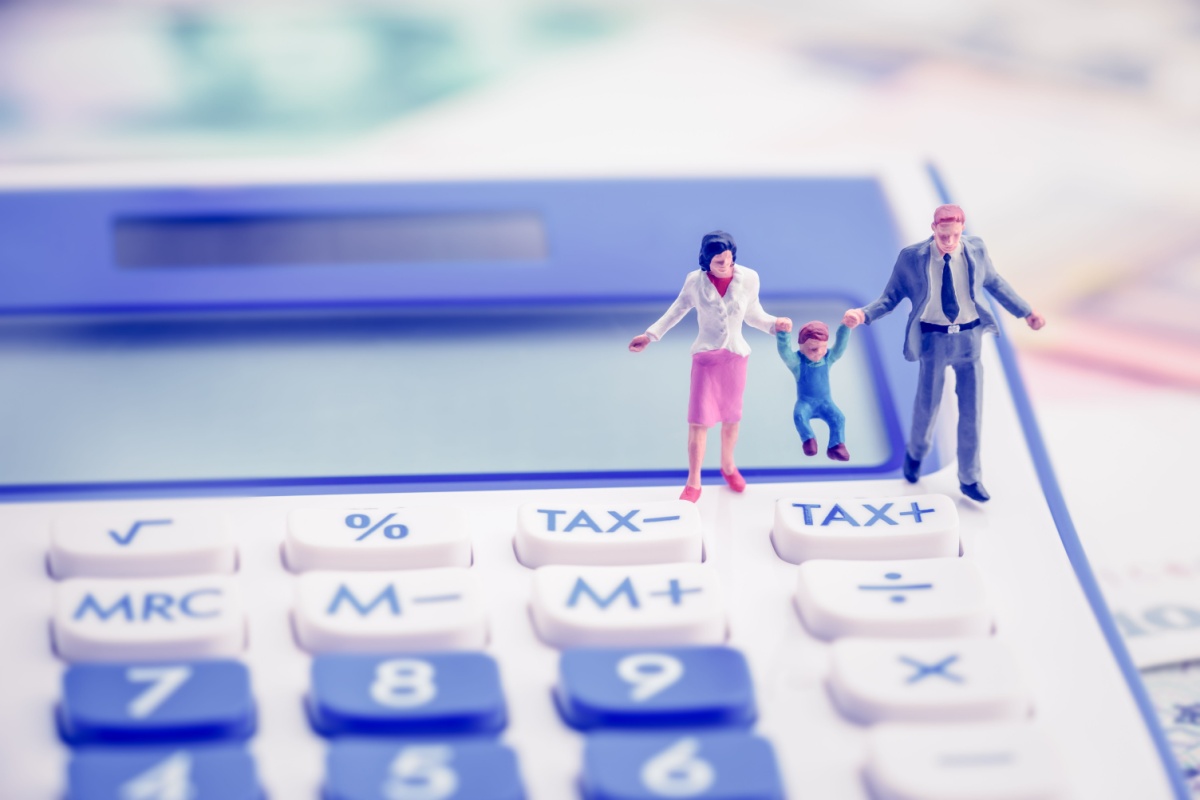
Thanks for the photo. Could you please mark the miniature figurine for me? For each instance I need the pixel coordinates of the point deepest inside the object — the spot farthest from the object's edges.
(724, 294)
(810, 367)
(944, 284)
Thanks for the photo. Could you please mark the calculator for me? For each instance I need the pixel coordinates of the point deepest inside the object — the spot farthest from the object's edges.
(353, 490)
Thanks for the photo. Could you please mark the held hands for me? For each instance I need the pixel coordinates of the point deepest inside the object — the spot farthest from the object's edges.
(782, 325)
(853, 318)
(1035, 321)
(639, 343)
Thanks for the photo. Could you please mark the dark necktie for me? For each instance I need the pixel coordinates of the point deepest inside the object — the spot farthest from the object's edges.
(949, 301)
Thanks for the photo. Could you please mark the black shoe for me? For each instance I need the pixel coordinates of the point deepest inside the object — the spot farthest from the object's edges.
(912, 468)
(975, 491)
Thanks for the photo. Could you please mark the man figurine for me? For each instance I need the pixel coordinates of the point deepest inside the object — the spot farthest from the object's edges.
(943, 278)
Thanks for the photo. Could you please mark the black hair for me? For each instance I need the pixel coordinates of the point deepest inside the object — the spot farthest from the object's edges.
(713, 244)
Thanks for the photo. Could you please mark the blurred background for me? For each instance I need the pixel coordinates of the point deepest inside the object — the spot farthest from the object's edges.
(1067, 129)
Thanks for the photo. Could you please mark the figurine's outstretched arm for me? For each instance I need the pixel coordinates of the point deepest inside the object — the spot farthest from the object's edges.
(678, 310)
(840, 340)
(784, 345)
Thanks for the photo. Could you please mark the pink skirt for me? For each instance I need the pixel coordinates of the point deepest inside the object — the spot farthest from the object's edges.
(718, 382)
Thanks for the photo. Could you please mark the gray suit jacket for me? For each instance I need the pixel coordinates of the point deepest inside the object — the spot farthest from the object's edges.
(910, 278)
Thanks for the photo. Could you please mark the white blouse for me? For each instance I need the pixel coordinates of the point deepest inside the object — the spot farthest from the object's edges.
(720, 318)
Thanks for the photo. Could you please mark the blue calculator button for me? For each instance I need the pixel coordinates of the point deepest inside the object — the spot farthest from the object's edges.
(721, 765)
(665, 687)
(466, 769)
(195, 772)
(156, 702)
(438, 694)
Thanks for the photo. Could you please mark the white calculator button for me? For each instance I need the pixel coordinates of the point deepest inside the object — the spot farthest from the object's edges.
(376, 538)
(912, 526)
(919, 597)
(605, 535)
(434, 609)
(926, 680)
(992, 761)
(639, 606)
(106, 545)
(137, 619)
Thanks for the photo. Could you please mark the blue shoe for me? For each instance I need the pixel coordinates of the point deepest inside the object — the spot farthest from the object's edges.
(912, 469)
(975, 491)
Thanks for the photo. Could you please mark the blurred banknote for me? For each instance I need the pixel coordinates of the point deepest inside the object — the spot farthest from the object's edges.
(1175, 691)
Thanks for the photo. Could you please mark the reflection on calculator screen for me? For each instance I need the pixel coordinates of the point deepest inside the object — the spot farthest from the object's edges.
(501, 392)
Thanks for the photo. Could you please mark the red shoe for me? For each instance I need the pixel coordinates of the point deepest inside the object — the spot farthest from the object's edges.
(690, 493)
(838, 452)
(735, 480)
(810, 447)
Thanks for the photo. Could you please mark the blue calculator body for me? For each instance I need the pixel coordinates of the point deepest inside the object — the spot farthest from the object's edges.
(355, 491)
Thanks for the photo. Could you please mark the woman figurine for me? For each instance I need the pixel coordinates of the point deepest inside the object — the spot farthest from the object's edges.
(724, 294)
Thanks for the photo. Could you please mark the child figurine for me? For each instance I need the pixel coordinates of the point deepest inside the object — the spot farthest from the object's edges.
(810, 366)
(725, 295)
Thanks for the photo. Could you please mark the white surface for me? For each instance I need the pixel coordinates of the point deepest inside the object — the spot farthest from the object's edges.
(926, 680)
(638, 606)
(126, 545)
(917, 597)
(1013, 761)
(1102, 746)
(376, 612)
(807, 527)
(608, 535)
(136, 619)
(376, 539)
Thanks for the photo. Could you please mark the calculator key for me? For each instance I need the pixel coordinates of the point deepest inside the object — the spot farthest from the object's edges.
(429, 693)
(721, 765)
(667, 686)
(138, 619)
(648, 605)
(373, 612)
(912, 526)
(926, 680)
(146, 545)
(195, 772)
(607, 535)
(997, 761)
(156, 702)
(376, 539)
(920, 597)
(361, 769)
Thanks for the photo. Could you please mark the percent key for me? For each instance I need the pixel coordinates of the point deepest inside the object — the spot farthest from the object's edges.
(375, 539)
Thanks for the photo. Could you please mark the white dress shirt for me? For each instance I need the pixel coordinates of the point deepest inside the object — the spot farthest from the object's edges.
(720, 318)
(962, 288)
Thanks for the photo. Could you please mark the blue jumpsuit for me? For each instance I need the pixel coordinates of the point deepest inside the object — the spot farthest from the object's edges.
(812, 387)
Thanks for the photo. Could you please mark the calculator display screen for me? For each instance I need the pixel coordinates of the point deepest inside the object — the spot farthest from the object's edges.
(363, 239)
(539, 391)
